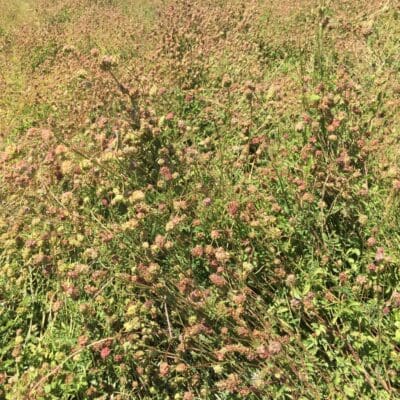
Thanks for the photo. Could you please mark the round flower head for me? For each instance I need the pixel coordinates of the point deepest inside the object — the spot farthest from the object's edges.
(107, 62)
(105, 352)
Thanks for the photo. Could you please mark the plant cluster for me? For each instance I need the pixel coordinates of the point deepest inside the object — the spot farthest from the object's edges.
(202, 206)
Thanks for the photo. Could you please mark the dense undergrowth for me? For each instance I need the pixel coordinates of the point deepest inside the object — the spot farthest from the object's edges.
(199, 199)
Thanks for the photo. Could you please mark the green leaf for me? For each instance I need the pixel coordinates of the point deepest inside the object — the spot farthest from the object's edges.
(349, 391)
(397, 335)
(313, 98)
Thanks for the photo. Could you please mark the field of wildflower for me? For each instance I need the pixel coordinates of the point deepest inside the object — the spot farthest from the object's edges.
(199, 199)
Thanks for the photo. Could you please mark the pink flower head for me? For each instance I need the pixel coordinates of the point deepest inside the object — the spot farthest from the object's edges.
(386, 310)
(334, 125)
(218, 280)
(197, 251)
(170, 116)
(233, 208)
(105, 352)
(396, 185)
(166, 173)
(372, 267)
(207, 201)
(380, 254)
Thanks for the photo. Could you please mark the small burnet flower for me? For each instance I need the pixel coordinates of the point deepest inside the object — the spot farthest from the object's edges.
(343, 277)
(250, 85)
(140, 371)
(197, 222)
(154, 248)
(94, 52)
(136, 196)
(299, 126)
(262, 352)
(164, 369)
(334, 125)
(239, 299)
(105, 352)
(221, 255)
(207, 201)
(315, 126)
(380, 254)
(84, 308)
(396, 185)
(274, 347)
(83, 340)
(306, 118)
(189, 97)
(166, 173)
(224, 330)
(161, 207)
(159, 241)
(233, 208)
(188, 396)
(67, 167)
(226, 81)
(209, 250)
(118, 358)
(247, 267)
(242, 331)
(295, 303)
(386, 310)
(181, 125)
(230, 384)
(91, 392)
(396, 299)
(291, 280)
(107, 62)
(180, 205)
(361, 280)
(363, 219)
(276, 207)
(330, 296)
(371, 242)
(318, 153)
(215, 234)
(181, 367)
(197, 251)
(46, 134)
(170, 116)
(307, 197)
(168, 245)
(280, 272)
(218, 280)
(372, 267)
(184, 285)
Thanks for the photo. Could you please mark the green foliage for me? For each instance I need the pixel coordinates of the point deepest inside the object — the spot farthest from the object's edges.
(42, 53)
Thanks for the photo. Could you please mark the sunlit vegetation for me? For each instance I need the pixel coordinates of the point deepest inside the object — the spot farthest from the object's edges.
(199, 199)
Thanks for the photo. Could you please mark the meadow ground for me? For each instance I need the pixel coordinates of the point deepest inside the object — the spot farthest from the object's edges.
(199, 199)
